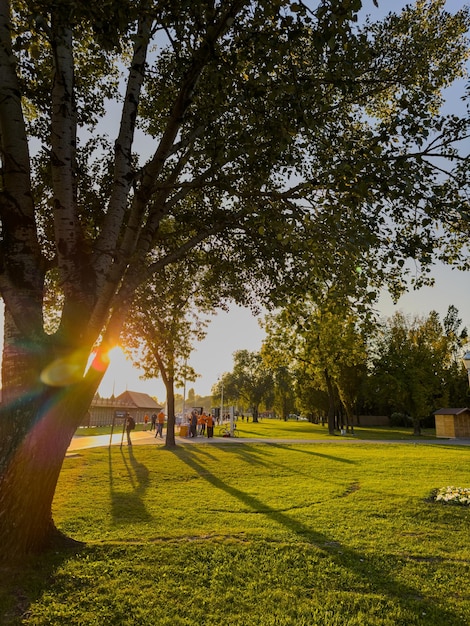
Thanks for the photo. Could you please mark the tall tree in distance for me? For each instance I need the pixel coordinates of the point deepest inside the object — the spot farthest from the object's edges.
(324, 343)
(163, 327)
(250, 382)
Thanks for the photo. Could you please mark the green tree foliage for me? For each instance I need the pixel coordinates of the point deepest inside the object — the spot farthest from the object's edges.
(324, 346)
(456, 335)
(273, 352)
(250, 383)
(414, 369)
(277, 135)
(163, 326)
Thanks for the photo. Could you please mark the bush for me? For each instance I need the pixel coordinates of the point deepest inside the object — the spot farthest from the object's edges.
(400, 419)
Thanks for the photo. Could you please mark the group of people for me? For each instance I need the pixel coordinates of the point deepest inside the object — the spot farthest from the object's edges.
(200, 424)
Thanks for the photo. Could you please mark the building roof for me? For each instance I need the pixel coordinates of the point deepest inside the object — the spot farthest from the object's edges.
(139, 400)
(450, 411)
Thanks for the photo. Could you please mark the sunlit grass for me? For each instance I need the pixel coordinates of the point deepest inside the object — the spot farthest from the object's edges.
(254, 535)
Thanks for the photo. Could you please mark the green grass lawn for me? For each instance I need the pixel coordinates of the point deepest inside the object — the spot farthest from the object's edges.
(259, 534)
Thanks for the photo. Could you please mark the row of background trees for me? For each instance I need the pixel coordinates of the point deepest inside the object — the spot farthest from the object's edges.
(331, 366)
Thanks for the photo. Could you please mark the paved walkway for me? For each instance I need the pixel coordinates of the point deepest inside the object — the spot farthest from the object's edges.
(80, 442)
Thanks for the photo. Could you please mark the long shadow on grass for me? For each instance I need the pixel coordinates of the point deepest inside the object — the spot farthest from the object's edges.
(127, 503)
(246, 450)
(378, 575)
(303, 449)
(250, 453)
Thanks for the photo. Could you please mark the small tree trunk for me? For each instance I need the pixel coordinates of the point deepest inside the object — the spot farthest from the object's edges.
(331, 404)
(416, 427)
(170, 403)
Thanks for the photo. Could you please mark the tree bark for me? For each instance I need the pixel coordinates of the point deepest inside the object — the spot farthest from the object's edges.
(416, 427)
(170, 441)
(37, 424)
(331, 404)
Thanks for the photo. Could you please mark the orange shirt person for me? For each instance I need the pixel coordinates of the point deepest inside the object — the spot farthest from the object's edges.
(201, 423)
(210, 425)
(160, 422)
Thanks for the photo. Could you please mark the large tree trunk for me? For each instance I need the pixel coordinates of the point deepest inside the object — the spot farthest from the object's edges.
(37, 423)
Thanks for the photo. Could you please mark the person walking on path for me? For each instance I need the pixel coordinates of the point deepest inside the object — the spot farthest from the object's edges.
(160, 422)
(153, 421)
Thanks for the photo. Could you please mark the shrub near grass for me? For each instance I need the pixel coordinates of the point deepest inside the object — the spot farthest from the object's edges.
(254, 535)
(453, 495)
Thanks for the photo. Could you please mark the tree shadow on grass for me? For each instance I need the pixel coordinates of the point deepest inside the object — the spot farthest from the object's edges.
(302, 448)
(252, 454)
(247, 451)
(127, 503)
(379, 576)
(24, 584)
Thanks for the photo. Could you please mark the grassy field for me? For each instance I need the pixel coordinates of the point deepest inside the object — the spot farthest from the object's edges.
(259, 534)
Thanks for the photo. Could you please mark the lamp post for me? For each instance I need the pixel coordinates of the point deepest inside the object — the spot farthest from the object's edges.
(222, 401)
(466, 362)
(183, 410)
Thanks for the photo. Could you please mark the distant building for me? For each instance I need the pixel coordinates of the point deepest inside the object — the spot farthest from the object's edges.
(103, 410)
(453, 423)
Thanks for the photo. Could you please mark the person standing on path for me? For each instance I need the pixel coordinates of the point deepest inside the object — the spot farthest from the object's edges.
(160, 423)
(210, 425)
(130, 425)
(193, 424)
(201, 424)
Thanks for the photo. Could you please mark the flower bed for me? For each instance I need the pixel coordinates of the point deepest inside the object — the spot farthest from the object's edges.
(452, 495)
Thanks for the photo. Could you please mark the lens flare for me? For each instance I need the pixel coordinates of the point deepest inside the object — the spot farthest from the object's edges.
(100, 359)
(64, 371)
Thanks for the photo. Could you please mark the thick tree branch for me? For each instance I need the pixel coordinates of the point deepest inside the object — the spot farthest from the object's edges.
(138, 235)
(21, 268)
(152, 171)
(123, 169)
(63, 149)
